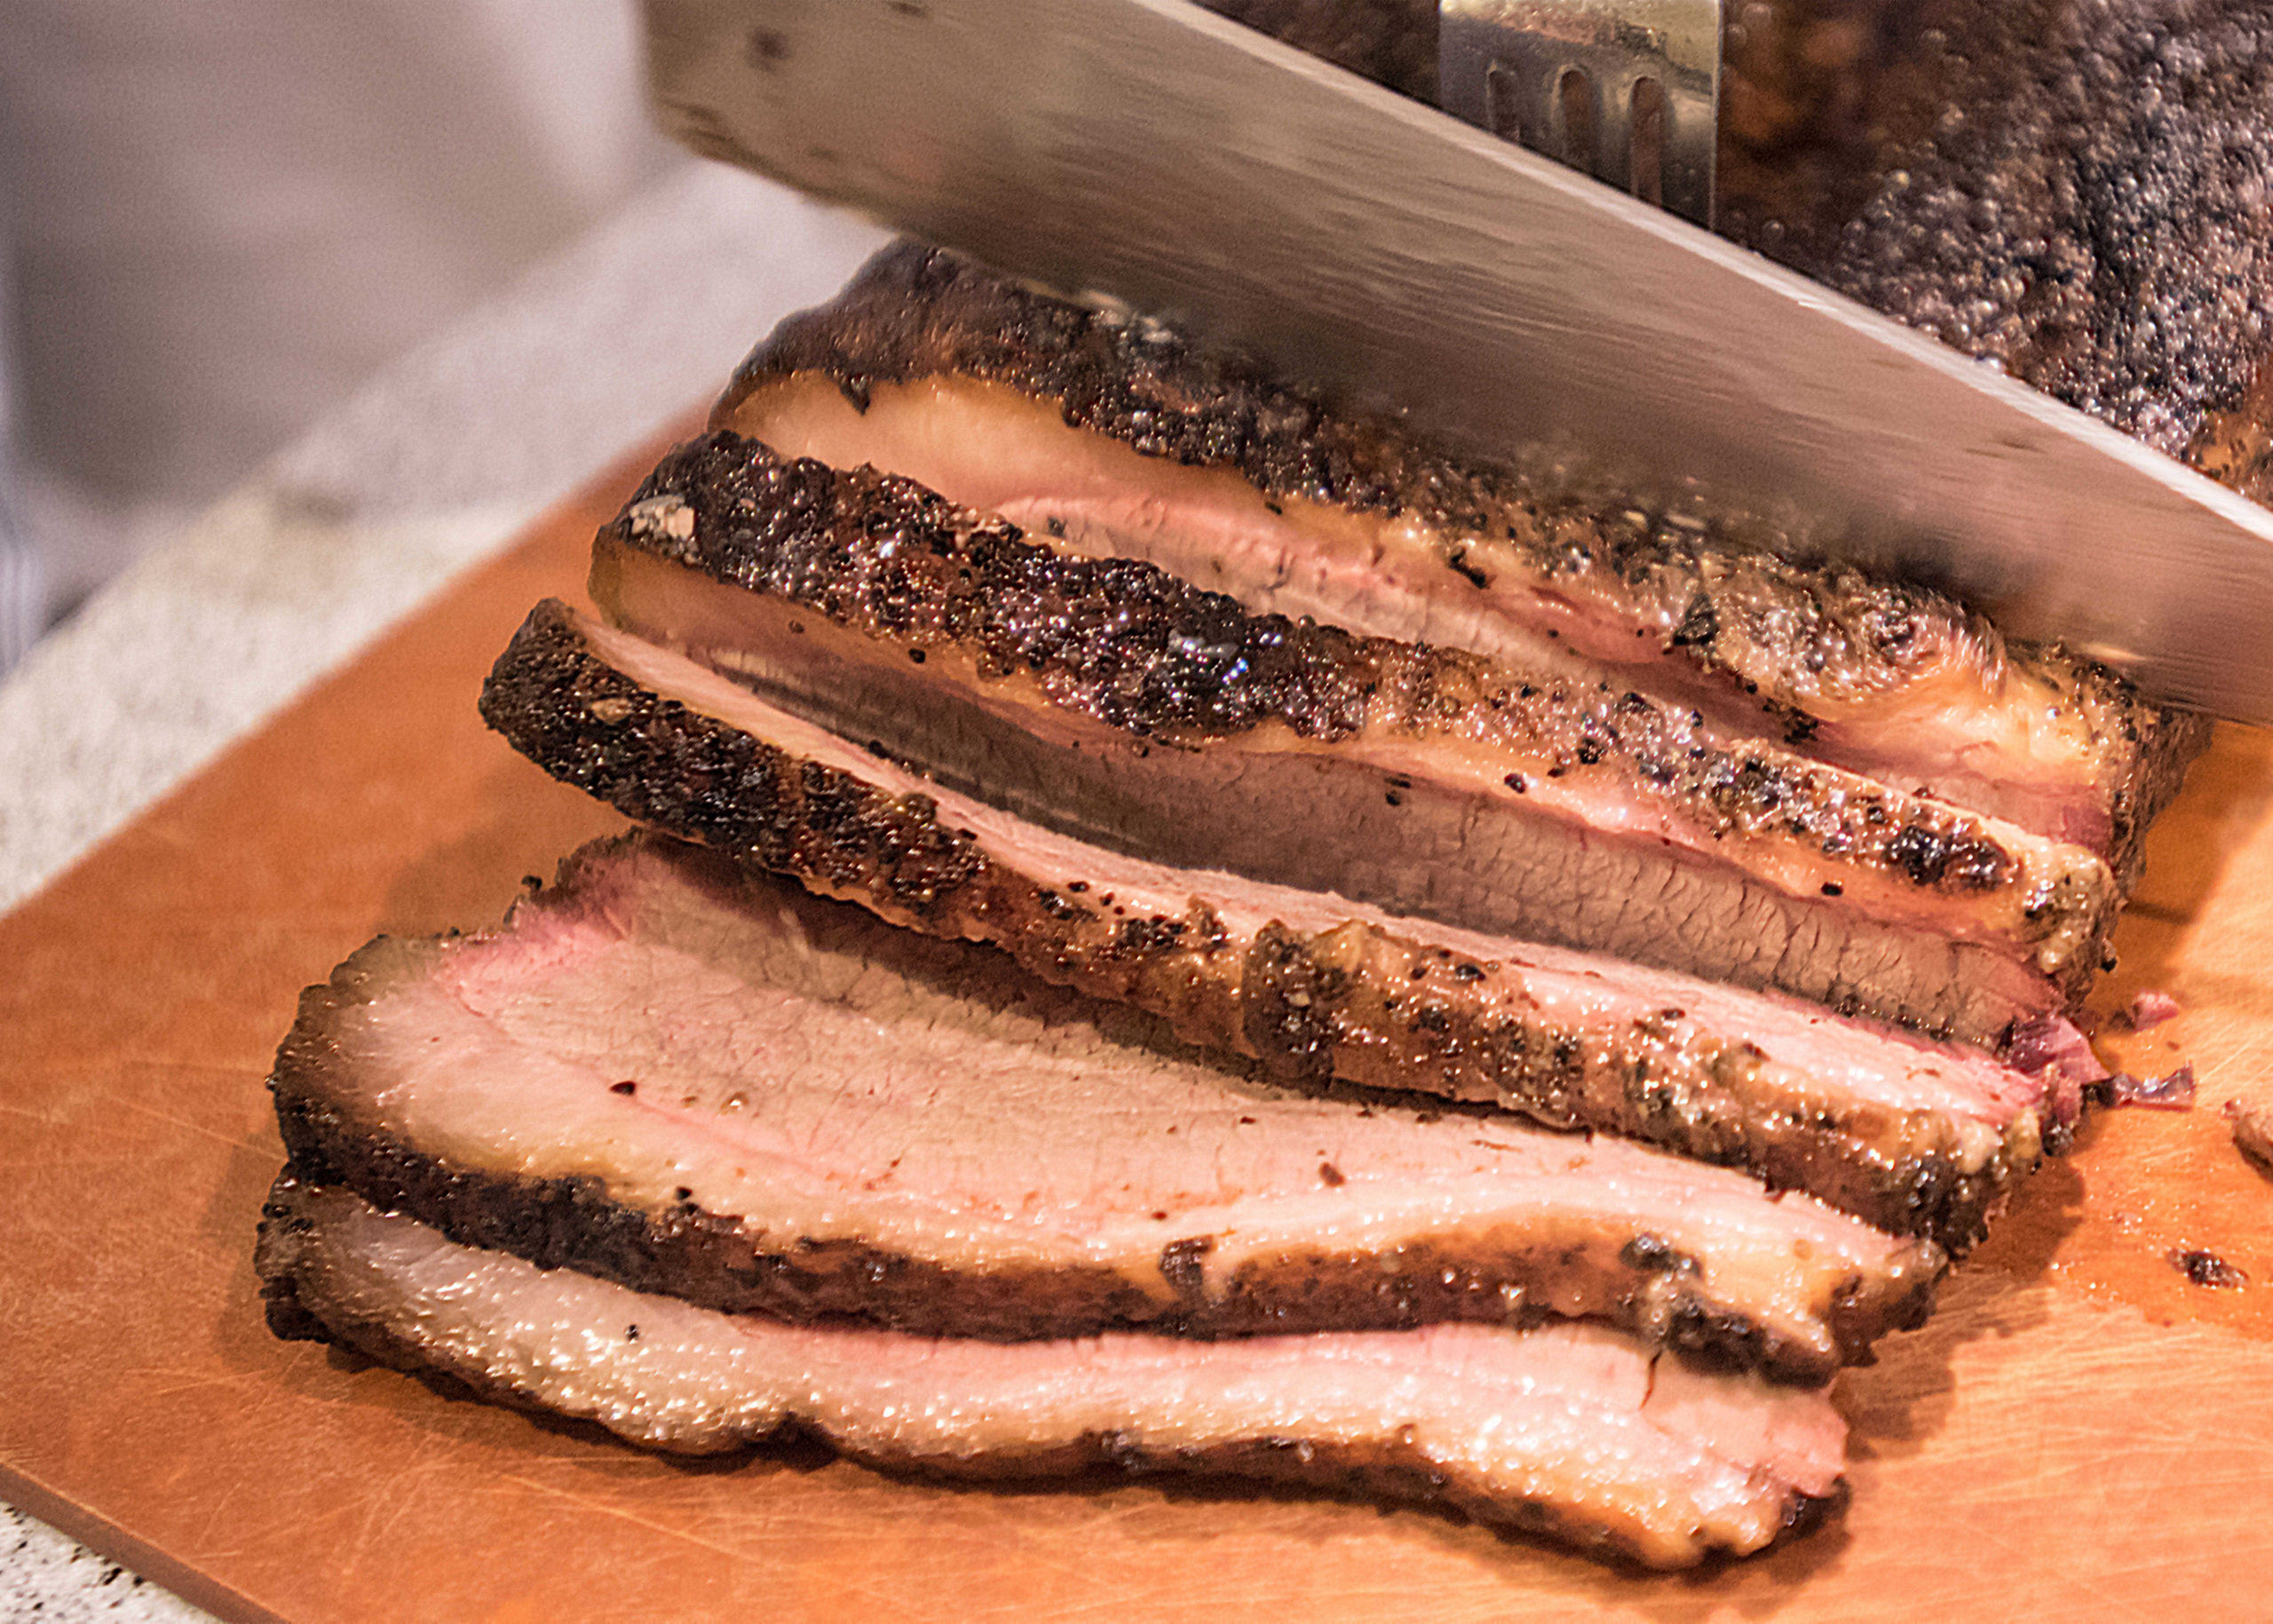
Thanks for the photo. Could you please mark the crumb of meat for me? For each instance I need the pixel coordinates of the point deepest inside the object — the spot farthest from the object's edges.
(2053, 1048)
(2253, 1128)
(2207, 1269)
(2149, 1009)
(2171, 1091)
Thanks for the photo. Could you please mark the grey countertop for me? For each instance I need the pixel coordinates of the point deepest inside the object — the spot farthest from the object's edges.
(432, 468)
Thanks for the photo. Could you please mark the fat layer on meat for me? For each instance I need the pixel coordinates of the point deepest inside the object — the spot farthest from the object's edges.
(1110, 700)
(1115, 437)
(1914, 1137)
(685, 1078)
(1575, 1433)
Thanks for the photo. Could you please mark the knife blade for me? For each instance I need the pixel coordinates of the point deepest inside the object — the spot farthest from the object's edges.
(1150, 151)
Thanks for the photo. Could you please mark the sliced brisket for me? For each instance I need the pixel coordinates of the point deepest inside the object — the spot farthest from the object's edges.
(1915, 1137)
(1579, 1433)
(1115, 437)
(667, 1075)
(1110, 700)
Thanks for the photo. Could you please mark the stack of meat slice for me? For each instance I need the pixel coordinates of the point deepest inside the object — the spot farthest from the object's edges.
(1507, 1035)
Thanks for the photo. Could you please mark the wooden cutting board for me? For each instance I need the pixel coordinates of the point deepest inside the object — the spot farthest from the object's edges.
(2081, 1431)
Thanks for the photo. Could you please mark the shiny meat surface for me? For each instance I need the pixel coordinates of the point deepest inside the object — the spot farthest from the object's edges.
(1915, 1137)
(663, 1073)
(1577, 1433)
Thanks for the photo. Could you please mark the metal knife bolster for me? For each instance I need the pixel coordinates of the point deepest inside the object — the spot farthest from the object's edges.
(1150, 150)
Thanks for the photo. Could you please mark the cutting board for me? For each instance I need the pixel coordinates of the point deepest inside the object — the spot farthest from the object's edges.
(2081, 1431)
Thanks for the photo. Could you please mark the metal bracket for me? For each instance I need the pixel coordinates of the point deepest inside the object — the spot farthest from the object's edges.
(1629, 90)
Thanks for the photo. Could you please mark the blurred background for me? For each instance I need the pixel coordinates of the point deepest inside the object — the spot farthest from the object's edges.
(216, 217)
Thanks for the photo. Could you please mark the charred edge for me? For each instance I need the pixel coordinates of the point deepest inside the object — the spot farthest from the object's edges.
(1140, 650)
(695, 1256)
(913, 312)
(2170, 742)
(1835, 1154)
(702, 1259)
(658, 762)
(275, 1257)
(1133, 648)
(707, 782)
(1183, 1266)
(1288, 1006)
(1432, 1284)
(711, 1261)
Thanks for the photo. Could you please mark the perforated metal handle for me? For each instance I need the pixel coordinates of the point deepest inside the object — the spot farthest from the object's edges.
(1629, 90)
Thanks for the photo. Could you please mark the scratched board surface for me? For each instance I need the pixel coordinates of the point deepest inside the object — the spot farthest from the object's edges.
(2081, 1431)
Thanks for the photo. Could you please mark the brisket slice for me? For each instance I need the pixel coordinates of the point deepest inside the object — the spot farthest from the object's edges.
(1117, 439)
(668, 1074)
(1110, 700)
(1916, 1137)
(1577, 1433)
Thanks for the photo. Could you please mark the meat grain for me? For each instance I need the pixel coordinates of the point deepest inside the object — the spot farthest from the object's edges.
(1110, 700)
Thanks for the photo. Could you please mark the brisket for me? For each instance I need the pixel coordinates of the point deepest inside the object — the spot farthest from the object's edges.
(1574, 1432)
(668, 1074)
(1114, 437)
(2075, 192)
(1914, 1137)
(1111, 701)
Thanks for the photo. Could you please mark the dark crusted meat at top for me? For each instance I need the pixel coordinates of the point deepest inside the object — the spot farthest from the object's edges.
(2075, 191)
(1112, 436)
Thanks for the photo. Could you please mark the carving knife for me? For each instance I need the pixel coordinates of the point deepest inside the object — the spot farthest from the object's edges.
(1150, 151)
